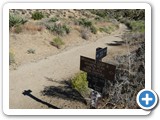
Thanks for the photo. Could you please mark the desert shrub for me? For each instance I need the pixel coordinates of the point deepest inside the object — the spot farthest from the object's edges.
(66, 28)
(137, 26)
(37, 15)
(31, 51)
(33, 27)
(18, 29)
(11, 58)
(131, 14)
(85, 22)
(57, 42)
(58, 29)
(15, 20)
(80, 83)
(93, 29)
(97, 18)
(105, 29)
(129, 75)
(53, 19)
(108, 29)
(85, 34)
(101, 13)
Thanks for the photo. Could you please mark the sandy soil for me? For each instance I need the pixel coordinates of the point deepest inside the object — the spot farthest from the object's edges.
(47, 77)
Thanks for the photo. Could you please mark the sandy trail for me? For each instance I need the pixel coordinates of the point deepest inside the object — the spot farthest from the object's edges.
(38, 75)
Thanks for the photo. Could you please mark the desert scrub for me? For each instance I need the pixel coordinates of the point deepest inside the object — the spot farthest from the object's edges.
(15, 20)
(57, 42)
(85, 22)
(11, 58)
(80, 83)
(31, 51)
(100, 13)
(85, 34)
(53, 19)
(134, 25)
(66, 29)
(33, 27)
(108, 29)
(137, 26)
(37, 15)
(58, 29)
(105, 29)
(18, 29)
(93, 29)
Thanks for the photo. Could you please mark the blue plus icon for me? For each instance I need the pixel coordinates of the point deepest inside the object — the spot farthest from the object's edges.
(147, 99)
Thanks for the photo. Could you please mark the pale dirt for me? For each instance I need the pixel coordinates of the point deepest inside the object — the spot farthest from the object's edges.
(50, 71)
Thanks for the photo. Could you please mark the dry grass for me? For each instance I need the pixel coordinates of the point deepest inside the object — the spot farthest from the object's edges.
(33, 27)
(17, 29)
(78, 28)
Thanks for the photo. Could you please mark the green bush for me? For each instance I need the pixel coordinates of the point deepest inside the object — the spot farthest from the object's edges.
(85, 22)
(37, 15)
(57, 42)
(11, 58)
(67, 29)
(93, 29)
(105, 29)
(56, 29)
(101, 13)
(109, 29)
(137, 26)
(80, 83)
(15, 20)
(53, 19)
(59, 30)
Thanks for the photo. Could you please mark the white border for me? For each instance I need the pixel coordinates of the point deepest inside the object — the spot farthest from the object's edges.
(8, 6)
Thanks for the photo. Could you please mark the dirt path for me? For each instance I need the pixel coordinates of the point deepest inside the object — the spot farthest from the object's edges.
(49, 75)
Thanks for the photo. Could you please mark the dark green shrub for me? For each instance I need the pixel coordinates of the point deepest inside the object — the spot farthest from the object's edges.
(53, 19)
(85, 22)
(15, 20)
(37, 15)
(67, 29)
(101, 13)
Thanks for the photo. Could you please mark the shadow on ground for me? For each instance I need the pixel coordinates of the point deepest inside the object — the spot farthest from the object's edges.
(64, 91)
(28, 93)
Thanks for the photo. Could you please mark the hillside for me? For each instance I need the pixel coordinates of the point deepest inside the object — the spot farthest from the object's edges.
(71, 27)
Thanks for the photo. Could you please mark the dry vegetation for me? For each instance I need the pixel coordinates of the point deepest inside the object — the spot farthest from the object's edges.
(60, 29)
(130, 72)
